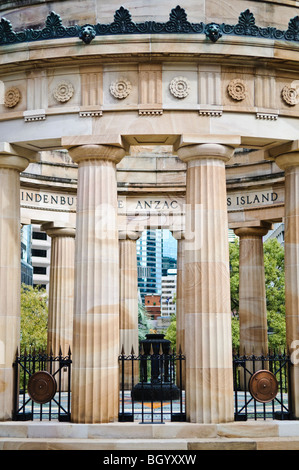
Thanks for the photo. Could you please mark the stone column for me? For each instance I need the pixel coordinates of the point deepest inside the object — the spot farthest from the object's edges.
(289, 162)
(10, 272)
(128, 301)
(252, 291)
(208, 342)
(61, 289)
(95, 371)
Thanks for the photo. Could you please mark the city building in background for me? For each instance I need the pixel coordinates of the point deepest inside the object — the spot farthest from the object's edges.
(149, 262)
(168, 296)
(26, 263)
(152, 304)
(41, 251)
(277, 232)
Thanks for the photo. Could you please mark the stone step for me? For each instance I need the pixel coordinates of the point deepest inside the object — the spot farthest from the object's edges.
(173, 445)
(280, 435)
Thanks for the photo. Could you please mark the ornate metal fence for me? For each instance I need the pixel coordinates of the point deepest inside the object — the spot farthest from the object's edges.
(151, 387)
(42, 387)
(261, 388)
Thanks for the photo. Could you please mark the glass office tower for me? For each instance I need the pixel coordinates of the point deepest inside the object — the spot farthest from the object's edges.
(149, 262)
(156, 253)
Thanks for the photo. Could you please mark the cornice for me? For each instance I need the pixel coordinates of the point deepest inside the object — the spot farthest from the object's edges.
(123, 25)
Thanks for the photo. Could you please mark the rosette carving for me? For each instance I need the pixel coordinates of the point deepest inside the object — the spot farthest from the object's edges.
(63, 91)
(121, 88)
(237, 89)
(290, 95)
(179, 87)
(12, 97)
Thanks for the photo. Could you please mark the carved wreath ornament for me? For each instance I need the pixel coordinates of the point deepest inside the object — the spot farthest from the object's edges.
(237, 89)
(12, 97)
(121, 88)
(179, 87)
(63, 91)
(290, 95)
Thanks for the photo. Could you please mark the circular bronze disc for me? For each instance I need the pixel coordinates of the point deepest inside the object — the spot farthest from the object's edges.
(263, 386)
(42, 387)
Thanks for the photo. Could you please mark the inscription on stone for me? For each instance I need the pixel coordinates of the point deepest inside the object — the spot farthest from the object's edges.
(42, 200)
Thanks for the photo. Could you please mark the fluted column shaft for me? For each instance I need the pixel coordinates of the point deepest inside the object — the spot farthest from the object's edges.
(252, 291)
(96, 314)
(61, 290)
(208, 343)
(10, 275)
(289, 162)
(128, 300)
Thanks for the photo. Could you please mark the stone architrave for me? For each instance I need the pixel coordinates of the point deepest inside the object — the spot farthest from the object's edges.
(289, 162)
(11, 164)
(208, 342)
(61, 289)
(95, 370)
(128, 302)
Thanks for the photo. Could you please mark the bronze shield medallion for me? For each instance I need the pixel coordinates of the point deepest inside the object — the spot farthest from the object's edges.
(263, 386)
(42, 387)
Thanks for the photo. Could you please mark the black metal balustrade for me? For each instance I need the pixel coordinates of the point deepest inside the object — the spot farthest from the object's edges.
(261, 388)
(154, 391)
(42, 387)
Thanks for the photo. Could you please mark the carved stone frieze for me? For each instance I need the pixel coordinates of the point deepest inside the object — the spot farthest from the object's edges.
(179, 87)
(237, 89)
(121, 88)
(290, 95)
(63, 91)
(12, 97)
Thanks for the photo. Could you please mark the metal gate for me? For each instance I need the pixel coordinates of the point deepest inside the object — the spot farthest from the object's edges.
(261, 388)
(151, 387)
(42, 387)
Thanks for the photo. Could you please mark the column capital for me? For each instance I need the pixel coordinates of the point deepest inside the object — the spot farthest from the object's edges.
(285, 155)
(96, 152)
(15, 157)
(129, 235)
(200, 151)
(82, 148)
(249, 232)
(178, 234)
(287, 160)
(55, 229)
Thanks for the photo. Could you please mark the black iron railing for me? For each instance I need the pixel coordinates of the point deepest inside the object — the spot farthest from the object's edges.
(42, 386)
(151, 387)
(261, 388)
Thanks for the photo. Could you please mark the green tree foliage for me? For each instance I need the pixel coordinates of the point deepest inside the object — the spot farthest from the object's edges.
(34, 318)
(144, 323)
(275, 292)
(171, 332)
